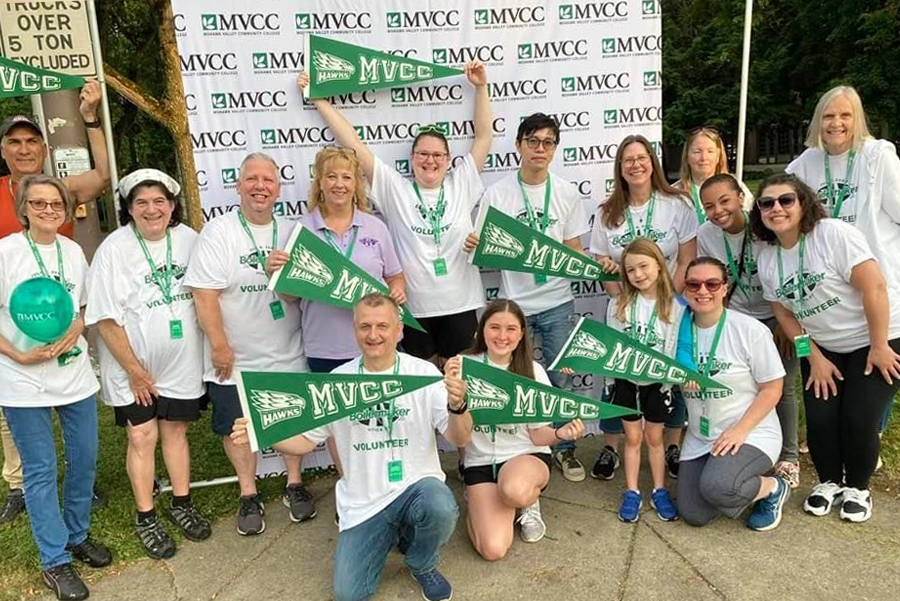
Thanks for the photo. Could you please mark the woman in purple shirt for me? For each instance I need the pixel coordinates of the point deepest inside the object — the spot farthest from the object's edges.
(339, 214)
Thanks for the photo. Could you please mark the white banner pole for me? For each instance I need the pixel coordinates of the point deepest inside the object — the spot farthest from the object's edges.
(745, 77)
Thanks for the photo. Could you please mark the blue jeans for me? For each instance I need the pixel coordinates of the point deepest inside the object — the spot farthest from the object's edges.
(32, 429)
(554, 325)
(419, 521)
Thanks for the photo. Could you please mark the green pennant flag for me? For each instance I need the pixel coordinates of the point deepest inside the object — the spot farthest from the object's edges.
(497, 397)
(280, 405)
(596, 348)
(505, 243)
(340, 68)
(19, 79)
(317, 272)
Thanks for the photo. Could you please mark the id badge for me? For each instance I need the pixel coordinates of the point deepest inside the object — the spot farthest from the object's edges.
(176, 331)
(440, 267)
(395, 470)
(540, 279)
(277, 310)
(704, 425)
(802, 345)
(68, 356)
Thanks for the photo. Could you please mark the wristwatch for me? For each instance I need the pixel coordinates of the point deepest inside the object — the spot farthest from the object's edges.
(459, 411)
(93, 124)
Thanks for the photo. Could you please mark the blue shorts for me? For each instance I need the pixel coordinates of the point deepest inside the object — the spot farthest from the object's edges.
(226, 407)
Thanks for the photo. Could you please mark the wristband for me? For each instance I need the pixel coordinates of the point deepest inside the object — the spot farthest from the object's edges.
(93, 124)
(556, 434)
(459, 410)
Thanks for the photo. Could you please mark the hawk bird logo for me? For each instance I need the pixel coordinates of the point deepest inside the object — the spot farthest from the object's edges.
(275, 406)
(308, 267)
(331, 68)
(498, 241)
(484, 395)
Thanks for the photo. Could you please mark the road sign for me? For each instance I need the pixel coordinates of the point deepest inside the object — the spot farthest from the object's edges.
(48, 35)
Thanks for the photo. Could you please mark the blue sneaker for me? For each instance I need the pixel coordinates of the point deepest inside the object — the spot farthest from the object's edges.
(434, 586)
(630, 510)
(662, 503)
(766, 514)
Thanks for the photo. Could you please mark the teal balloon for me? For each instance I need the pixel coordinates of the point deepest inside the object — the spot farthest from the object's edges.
(42, 309)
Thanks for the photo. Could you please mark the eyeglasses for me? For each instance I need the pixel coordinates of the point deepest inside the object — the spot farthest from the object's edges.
(643, 159)
(423, 155)
(534, 143)
(711, 284)
(39, 205)
(767, 203)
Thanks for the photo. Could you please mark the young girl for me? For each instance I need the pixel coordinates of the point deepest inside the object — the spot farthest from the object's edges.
(507, 467)
(646, 310)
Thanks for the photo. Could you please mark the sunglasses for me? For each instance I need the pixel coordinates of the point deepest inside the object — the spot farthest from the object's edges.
(712, 285)
(767, 203)
(433, 128)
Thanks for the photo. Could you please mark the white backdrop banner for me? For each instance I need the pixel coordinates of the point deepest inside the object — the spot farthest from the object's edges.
(595, 66)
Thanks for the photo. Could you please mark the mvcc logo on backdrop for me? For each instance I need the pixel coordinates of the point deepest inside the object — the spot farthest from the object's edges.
(219, 140)
(422, 20)
(343, 22)
(593, 12)
(601, 83)
(556, 50)
(635, 45)
(650, 9)
(509, 17)
(427, 95)
(350, 100)
(277, 62)
(517, 90)
(295, 137)
(614, 118)
(652, 80)
(489, 55)
(240, 24)
(571, 121)
(248, 102)
(589, 155)
(211, 63)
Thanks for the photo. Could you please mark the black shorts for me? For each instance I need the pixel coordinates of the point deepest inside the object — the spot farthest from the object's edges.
(655, 405)
(226, 407)
(164, 408)
(444, 335)
(479, 474)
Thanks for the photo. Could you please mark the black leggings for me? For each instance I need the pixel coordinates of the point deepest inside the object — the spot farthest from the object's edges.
(842, 432)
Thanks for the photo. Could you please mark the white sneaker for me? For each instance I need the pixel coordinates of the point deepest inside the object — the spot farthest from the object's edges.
(856, 505)
(533, 526)
(822, 498)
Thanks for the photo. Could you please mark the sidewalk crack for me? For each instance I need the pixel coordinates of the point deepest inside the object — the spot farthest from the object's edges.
(688, 562)
(629, 558)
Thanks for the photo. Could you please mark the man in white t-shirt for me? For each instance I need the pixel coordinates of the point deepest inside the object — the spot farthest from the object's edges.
(392, 492)
(246, 326)
(551, 205)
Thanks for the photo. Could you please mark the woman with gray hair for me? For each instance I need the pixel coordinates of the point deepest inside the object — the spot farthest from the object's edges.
(37, 377)
(151, 348)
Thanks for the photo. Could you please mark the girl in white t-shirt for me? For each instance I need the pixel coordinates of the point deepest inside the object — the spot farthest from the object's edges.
(726, 236)
(646, 310)
(830, 297)
(429, 218)
(507, 467)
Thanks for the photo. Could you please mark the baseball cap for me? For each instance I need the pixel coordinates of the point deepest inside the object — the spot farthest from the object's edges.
(19, 121)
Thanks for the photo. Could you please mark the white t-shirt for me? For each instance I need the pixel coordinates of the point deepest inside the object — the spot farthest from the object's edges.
(872, 204)
(664, 337)
(362, 443)
(749, 299)
(511, 440)
(674, 224)
(566, 221)
(746, 357)
(832, 313)
(429, 295)
(123, 289)
(224, 259)
(45, 384)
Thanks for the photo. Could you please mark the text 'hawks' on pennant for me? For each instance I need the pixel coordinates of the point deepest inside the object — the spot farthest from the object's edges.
(19, 79)
(340, 68)
(280, 405)
(317, 272)
(505, 243)
(599, 349)
(497, 397)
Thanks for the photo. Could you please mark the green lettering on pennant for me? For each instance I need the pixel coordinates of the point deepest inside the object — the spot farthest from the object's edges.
(19, 79)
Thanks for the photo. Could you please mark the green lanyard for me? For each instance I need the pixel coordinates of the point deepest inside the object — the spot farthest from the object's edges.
(433, 216)
(163, 281)
(333, 241)
(651, 325)
(844, 191)
(529, 210)
(392, 410)
(40, 261)
(801, 288)
(698, 206)
(711, 356)
(484, 359)
(648, 224)
(746, 247)
(259, 256)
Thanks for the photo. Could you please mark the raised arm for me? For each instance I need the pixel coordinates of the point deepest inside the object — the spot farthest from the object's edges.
(484, 118)
(342, 129)
(87, 186)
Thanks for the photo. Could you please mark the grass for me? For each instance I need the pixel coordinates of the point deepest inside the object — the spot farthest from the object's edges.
(112, 525)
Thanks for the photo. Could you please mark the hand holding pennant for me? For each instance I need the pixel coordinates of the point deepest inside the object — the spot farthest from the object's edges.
(19, 79)
(317, 272)
(280, 405)
(497, 397)
(598, 349)
(504, 243)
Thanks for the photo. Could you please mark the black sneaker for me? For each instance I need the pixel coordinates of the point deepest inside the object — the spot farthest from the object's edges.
(194, 526)
(673, 456)
(14, 505)
(92, 553)
(65, 583)
(605, 467)
(300, 502)
(250, 516)
(156, 541)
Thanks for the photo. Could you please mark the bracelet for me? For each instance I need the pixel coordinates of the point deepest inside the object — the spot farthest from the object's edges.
(459, 410)
(556, 433)
(93, 124)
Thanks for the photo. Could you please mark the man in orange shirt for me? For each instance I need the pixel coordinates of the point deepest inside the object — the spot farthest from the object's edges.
(23, 148)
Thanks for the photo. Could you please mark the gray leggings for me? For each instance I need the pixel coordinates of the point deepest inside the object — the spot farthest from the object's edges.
(711, 486)
(788, 407)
